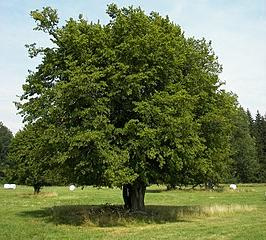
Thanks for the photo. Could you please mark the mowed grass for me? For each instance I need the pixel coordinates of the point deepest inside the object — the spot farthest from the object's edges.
(91, 213)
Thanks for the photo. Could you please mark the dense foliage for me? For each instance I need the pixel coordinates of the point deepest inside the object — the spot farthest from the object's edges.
(258, 131)
(5, 139)
(245, 164)
(31, 153)
(129, 103)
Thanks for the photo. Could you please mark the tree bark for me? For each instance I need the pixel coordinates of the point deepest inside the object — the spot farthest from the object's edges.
(37, 188)
(126, 196)
(133, 195)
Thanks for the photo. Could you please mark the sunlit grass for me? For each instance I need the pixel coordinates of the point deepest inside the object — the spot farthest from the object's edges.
(57, 213)
(40, 195)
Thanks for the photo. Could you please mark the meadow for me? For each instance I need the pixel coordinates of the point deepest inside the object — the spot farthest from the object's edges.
(92, 213)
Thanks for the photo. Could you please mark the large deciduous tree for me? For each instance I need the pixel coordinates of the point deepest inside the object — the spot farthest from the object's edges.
(132, 102)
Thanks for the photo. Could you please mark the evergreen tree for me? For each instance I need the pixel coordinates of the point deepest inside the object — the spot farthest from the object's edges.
(251, 123)
(260, 136)
(245, 164)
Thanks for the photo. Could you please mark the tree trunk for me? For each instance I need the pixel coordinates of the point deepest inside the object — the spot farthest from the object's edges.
(37, 188)
(209, 185)
(170, 187)
(133, 195)
(126, 196)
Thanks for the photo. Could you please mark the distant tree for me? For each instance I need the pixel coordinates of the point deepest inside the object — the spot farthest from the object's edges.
(216, 130)
(126, 104)
(30, 158)
(244, 155)
(5, 139)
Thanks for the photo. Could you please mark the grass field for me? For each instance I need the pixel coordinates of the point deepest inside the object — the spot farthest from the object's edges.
(95, 213)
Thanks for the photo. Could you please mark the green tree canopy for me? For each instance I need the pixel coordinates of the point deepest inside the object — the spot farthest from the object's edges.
(32, 155)
(5, 139)
(132, 102)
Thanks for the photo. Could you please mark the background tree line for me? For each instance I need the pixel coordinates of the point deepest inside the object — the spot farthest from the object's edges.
(257, 128)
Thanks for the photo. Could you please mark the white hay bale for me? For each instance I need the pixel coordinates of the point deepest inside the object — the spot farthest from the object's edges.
(9, 186)
(72, 187)
(233, 186)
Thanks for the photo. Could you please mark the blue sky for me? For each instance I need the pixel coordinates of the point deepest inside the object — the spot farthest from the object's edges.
(237, 29)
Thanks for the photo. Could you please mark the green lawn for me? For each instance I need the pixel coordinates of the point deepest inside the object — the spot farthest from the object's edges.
(95, 213)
